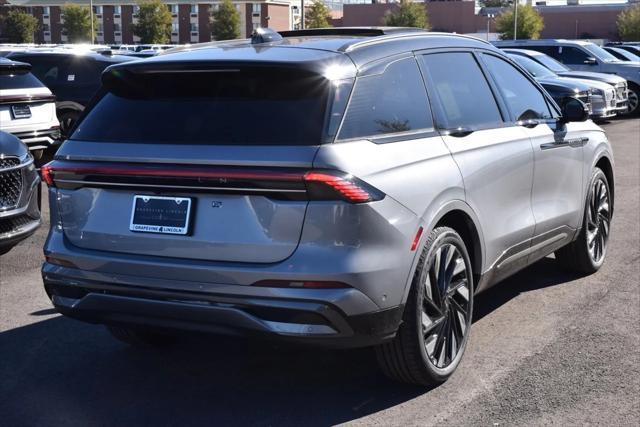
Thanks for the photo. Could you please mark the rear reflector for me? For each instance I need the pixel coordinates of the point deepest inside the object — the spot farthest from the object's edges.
(416, 239)
(301, 284)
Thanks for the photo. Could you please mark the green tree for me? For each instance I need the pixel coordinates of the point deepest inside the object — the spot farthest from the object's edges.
(495, 3)
(19, 26)
(154, 22)
(77, 23)
(530, 23)
(317, 15)
(629, 24)
(225, 22)
(408, 14)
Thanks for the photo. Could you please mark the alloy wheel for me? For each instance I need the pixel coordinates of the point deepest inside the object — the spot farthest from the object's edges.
(446, 306)
(598, 220)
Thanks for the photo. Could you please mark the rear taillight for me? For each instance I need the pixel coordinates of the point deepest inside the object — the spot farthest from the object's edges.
(329, 185)
(45, 173)
(307, 284)
(288, 183)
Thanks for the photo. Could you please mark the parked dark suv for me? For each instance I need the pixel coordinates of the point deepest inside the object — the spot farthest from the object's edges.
(72, 77)
(19, 193)
(341, 187)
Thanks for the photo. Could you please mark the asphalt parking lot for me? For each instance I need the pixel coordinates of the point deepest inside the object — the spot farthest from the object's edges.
(546, 348)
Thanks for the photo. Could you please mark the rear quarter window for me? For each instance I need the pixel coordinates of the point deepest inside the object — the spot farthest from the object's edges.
(392, 102)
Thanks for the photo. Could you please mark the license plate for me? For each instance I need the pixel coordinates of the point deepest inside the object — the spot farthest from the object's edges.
(165, 215)
(21, 111)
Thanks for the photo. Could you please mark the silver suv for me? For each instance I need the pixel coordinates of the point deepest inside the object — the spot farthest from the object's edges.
(341, 187)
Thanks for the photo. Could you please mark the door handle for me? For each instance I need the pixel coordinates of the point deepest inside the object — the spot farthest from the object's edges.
(573, 143)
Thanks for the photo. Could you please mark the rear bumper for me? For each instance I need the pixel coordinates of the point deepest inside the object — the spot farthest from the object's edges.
(300, 315)
(40, 139)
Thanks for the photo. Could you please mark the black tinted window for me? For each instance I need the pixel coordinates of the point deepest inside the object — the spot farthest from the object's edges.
(230, 107)
(49, 70)
(395, 101)
(571, 55)
(462, 90)
(18, 81)
(522, 97)
(85, 71)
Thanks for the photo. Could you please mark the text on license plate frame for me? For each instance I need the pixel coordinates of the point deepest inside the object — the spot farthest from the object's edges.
(21, 111)
(136, 226)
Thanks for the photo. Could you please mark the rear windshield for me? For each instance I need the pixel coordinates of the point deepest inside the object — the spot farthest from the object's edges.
(223, 107)
(18, 81)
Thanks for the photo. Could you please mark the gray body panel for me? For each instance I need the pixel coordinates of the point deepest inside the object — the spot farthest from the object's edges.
(522, 189)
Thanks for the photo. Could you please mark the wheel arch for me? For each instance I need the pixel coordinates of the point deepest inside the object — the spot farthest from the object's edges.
(604, 163)
(458, 215)
(69, 105)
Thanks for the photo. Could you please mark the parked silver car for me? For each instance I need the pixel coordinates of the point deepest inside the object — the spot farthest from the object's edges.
(341, 187)
(19, 193)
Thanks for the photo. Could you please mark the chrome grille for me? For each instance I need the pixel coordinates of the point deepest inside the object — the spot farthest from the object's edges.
(10, 183)
(621, 91)
(9, 162)
(12, 224)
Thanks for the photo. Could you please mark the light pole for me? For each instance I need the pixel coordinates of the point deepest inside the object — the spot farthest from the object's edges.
(302, 14)
(490, 16)
(91, 17)
(515, 20)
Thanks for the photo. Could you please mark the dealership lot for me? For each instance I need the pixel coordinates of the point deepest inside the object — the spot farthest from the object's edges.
(547, 347)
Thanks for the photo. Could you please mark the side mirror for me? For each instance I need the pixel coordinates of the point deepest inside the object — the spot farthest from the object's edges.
(573, 110)
(591, 61)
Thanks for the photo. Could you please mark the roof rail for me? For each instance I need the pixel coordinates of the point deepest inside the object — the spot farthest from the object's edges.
(351, 31)
(401, 35)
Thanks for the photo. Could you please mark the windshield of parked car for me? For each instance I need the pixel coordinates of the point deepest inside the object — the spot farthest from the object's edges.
(600, 53)
(552, 64)
(535, 69)
(213, 107)
(628, 56)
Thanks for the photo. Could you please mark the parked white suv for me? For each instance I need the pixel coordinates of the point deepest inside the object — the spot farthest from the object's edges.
(27, 107)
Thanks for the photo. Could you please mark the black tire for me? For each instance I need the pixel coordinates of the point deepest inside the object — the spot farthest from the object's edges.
(634, 100)
(586, 254)
(141, 337)
(407, 357)
(67, 119)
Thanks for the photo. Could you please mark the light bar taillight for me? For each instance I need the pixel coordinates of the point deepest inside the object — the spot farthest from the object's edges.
(327, 185)
(294, 184)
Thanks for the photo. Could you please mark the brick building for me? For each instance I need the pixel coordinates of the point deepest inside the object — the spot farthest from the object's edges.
(597, 21)
(190, 18)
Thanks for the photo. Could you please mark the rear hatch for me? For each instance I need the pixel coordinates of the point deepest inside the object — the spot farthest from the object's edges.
(217, 154)
(25, 103)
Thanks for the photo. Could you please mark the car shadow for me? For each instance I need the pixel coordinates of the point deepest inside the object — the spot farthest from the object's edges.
(63, 372)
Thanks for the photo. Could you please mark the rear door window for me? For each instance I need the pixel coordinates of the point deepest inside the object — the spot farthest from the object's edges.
(462, 90)
(50, 71)
(248, 106)
(571, 55)
(523, 98)
(388, 103)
